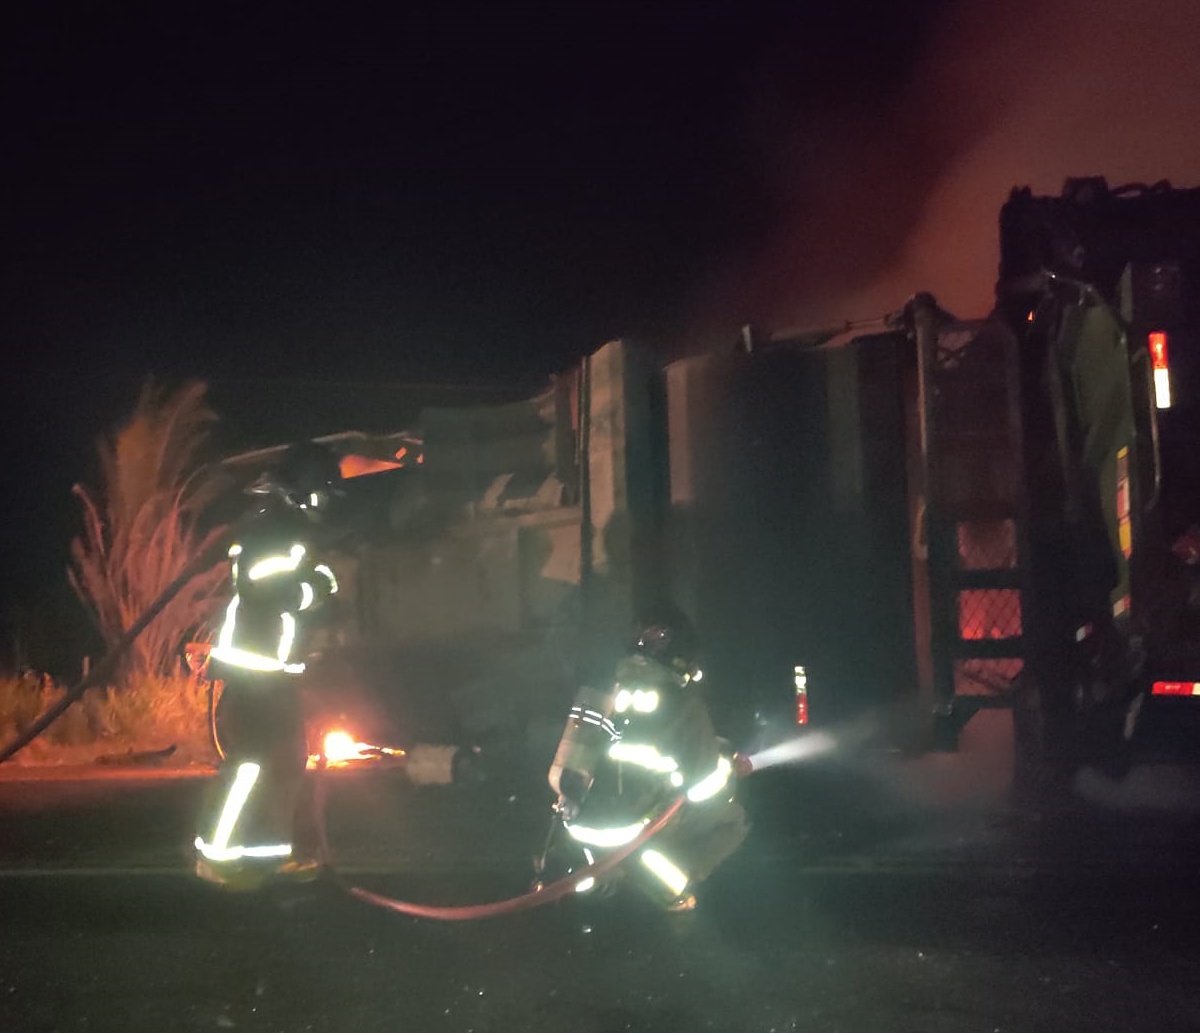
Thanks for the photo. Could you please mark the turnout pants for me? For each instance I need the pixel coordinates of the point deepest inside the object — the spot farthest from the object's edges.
(250, 815)
(693, 846)
(685, 853)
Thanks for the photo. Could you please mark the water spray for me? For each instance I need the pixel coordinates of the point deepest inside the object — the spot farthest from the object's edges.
(793, 751)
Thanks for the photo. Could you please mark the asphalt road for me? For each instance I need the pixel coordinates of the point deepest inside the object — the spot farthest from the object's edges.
(863, 900)
(772, 949)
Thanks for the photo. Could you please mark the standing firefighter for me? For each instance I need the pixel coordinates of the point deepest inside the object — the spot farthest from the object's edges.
(247, 830)
(627, 753)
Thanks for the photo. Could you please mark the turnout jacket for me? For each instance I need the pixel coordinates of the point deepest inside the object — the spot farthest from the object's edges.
(638, 746)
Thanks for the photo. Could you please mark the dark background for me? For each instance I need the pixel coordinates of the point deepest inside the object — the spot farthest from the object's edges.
(271, 198)
(264, 199)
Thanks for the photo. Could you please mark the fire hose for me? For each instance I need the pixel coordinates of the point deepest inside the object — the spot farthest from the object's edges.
(547, 894)
(446, 913)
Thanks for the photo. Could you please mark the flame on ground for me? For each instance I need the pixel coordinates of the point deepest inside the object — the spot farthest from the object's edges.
(340, 748)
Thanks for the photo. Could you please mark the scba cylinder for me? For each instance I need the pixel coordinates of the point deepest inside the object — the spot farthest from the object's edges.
(585, 739)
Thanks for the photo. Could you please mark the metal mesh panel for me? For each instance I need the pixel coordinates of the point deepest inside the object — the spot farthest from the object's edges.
(976, 492)
(989, 613)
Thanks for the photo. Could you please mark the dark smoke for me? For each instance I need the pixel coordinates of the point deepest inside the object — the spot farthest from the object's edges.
(879, 197)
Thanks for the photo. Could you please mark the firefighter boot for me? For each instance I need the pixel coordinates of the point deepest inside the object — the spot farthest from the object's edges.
(683, 903)
(233, 877)
(301, 869)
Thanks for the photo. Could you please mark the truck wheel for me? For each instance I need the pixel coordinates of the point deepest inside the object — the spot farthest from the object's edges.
(946, 729)
(1040, 768)
(1107, 746)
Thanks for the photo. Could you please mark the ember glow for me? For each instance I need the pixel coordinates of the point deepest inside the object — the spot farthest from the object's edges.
(363, 466)
(354, 465)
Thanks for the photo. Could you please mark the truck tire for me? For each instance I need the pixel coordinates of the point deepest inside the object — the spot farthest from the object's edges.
(1041, 766)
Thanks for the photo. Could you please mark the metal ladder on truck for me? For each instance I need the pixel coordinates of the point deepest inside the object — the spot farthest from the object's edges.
(971, 449)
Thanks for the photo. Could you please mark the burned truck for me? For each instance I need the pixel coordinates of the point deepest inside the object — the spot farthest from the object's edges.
(914, 518)
(959, 515)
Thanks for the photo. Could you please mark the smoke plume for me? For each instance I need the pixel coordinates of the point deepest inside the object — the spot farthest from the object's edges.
(884, 197)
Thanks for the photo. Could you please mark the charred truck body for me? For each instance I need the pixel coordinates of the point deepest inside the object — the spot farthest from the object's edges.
(917, 516)
(1007, 512)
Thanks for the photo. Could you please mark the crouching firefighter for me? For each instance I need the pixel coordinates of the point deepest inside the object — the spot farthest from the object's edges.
(247, 830)
(629, 751)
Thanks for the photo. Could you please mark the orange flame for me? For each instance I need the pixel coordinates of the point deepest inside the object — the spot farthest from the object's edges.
(361, 466)
(340, 747)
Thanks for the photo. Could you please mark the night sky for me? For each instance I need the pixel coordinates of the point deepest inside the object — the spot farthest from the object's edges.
(446, 194)
(484, 194)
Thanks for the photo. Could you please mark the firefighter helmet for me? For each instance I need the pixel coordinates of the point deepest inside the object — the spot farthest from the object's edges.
(666, 635)
(306, 477)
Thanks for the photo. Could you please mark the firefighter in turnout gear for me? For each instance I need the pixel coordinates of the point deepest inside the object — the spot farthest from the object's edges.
(628, 752)
(246, 833)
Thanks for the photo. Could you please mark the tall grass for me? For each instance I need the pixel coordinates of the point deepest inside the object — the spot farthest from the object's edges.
(144, 523)
(145, 715)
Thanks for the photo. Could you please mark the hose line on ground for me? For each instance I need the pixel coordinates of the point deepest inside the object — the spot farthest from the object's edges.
(474, 912)
(214, 734)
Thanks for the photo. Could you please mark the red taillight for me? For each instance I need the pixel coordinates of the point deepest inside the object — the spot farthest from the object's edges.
(1159, 360)
(1158, 349)
(801, 710)
(1175, 688)
(800, 680)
